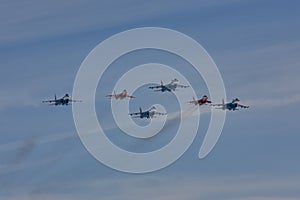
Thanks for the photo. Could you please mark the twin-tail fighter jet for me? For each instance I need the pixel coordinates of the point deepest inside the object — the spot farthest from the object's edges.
(146, 114)
(122, 95)
(203, 100)
(172, 86)
(233, 105)
(65, 100)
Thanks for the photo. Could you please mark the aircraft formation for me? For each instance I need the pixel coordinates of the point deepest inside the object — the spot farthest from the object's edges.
(152, 112)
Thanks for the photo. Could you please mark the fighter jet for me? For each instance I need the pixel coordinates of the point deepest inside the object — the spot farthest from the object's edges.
(203, 100)
(172, 86)
(65, 100)
(122, 95)
(233, 105)
(147, 114)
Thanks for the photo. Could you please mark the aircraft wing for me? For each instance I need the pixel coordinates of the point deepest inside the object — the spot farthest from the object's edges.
(111, 96)
(136, 116)
(159, 113)
(162, 90)
(183, 86)
(130, 96)
(52, 104)
(155, 87)
(131, 114)
(209, 103)
(243, 106)
(48, 101)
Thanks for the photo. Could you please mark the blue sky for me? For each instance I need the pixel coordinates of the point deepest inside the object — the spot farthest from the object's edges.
(255, 45)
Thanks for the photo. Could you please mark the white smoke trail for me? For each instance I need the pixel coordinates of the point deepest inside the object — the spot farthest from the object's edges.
(273, 102)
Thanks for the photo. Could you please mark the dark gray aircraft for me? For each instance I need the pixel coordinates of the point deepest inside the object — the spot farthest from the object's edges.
(65, 100)
(233, 105)
(147, 114)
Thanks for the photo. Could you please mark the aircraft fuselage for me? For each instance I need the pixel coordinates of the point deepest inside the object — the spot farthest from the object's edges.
(231, 106)
(62, 101)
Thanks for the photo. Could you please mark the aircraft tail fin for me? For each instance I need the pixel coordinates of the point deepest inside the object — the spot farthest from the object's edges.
(223, 102)
(194, 100)
(140, 110)
(161, 83)
(55, 98)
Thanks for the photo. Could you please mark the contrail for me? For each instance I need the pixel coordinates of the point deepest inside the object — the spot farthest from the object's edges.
(190, 112)
(172, 120)
(274, 102)
(35, 140)
(23, 150)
